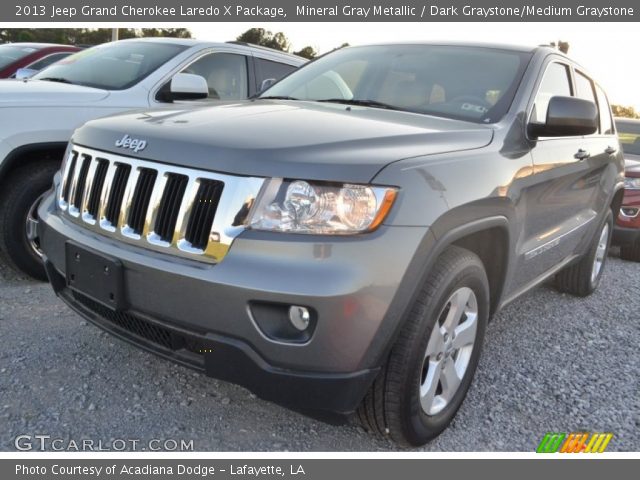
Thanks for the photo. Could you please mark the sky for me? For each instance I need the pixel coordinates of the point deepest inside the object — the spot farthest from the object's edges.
(609, 51)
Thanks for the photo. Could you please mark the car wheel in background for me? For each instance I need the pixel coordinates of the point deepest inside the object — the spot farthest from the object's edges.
(20, 198)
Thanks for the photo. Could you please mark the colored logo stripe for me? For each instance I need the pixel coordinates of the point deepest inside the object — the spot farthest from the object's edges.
(574, 442)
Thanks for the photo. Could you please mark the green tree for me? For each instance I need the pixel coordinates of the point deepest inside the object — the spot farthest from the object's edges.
(306, 52)
(562, 46)
(265, 38)
(626, 112)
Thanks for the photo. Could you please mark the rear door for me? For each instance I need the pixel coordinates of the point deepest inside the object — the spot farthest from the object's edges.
(563, 199)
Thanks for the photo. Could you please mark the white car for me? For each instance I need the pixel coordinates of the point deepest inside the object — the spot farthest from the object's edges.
(38, 115)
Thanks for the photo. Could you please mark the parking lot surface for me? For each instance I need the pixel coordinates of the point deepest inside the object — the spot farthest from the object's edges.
(551, 362)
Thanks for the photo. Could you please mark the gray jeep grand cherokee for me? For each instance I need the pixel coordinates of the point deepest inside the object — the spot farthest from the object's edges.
(339, 243)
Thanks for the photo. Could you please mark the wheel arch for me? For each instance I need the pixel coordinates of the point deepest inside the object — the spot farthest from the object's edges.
(463, 234)
(53, 151)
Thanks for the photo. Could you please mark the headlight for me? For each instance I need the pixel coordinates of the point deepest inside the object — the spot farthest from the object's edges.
(298, 206)
(632, 183)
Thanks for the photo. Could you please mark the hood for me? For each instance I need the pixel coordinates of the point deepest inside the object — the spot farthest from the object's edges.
(291, 139)
(21, 93)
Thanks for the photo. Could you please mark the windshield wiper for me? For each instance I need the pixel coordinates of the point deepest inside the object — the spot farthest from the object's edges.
(277, 97)
(56, 79)
(360, 103)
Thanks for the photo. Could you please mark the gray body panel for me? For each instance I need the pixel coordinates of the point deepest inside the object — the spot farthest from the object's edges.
(353, 144)
(455, 178)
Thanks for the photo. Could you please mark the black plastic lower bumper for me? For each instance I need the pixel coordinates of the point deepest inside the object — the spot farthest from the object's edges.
(625, 236)
(329, 397)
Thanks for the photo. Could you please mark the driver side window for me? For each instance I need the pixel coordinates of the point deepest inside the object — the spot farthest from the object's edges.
(555, 83)
(225, 73)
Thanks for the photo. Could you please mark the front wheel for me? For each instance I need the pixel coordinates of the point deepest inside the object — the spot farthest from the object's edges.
(22, 193)
(430, 368)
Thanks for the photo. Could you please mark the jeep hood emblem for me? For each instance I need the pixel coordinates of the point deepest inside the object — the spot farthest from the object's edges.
(134, 144)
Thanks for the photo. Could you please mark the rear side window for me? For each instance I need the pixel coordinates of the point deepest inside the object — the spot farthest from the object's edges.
(268, 69)
(584, 88)
(555, 83)
(606, 123)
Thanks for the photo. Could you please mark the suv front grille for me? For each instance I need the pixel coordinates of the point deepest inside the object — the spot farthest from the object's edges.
(182, 211)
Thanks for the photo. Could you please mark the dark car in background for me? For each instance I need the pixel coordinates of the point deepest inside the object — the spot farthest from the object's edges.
(627, 229)
(32, 56)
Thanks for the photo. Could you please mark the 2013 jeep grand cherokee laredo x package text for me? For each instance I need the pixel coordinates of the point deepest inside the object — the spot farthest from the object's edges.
(339, 243)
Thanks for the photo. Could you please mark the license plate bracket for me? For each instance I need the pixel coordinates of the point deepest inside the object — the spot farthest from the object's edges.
(95, 275)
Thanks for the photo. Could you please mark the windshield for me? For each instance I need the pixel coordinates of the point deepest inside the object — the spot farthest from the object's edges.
(468, 83)
(629, 133)
(113, 66)
(13, 53)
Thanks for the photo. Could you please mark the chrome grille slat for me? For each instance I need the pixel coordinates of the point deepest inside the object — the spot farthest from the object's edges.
(140, 203)
(127, 199)
(88, 188)
(116, 197)
(104, 198)
(153, 205)
(69, 165)
(71, 194)
(97, 185)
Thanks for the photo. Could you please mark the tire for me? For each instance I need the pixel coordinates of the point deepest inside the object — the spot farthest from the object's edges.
(393, 405)
(581, 279)
(630, 252)
(22, 190)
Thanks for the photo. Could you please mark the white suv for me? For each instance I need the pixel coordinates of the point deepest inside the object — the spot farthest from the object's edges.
(38, 116)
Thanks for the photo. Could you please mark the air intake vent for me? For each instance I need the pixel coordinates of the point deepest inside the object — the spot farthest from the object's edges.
(169, 208)
(204, 210)
(66, 186)
(82, 181)
(96, 188)
(141, 199)
(117, 192)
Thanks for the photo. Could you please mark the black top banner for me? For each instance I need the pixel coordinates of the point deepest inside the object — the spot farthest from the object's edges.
(318, 11)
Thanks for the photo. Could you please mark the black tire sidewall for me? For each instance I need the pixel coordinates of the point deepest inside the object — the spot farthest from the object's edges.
(421, 427)
(17, 202)
(608, 219)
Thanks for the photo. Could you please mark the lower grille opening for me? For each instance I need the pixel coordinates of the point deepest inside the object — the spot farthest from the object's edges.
(156, 334)
(129, 322)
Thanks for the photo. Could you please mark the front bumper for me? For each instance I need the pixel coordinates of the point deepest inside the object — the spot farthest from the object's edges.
(198, 314)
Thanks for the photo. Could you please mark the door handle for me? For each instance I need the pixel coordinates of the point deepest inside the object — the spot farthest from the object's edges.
(582, 154)
(610, 150)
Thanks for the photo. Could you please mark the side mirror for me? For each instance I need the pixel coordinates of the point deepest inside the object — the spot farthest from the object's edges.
(566, 117)
(266, 83)
(23, 73)
(187, 86)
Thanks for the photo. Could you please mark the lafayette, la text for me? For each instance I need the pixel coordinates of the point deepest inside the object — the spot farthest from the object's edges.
(197, 470)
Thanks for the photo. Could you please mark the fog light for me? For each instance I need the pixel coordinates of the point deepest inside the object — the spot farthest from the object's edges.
(300, 317)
